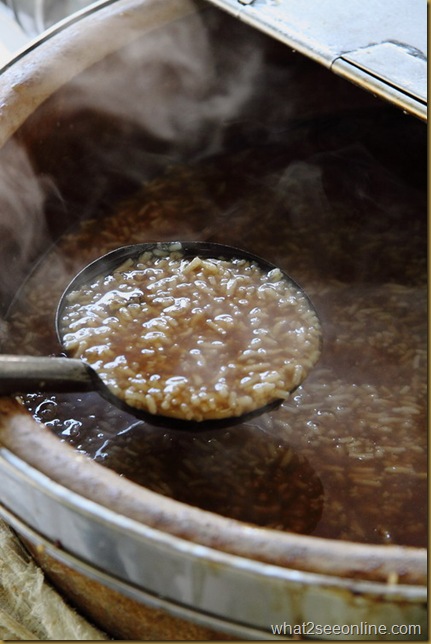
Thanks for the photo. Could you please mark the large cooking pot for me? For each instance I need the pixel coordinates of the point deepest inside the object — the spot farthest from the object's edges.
(87, 115)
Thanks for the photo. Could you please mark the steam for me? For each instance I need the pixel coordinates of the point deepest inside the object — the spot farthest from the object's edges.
(175, 83)
(175, 86)
(23, 230)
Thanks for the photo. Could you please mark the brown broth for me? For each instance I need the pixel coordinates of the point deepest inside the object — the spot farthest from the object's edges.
(345, 456)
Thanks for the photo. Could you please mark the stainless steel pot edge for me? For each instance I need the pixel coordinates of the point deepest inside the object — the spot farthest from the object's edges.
(153, 601)
(215, 583)
(51, 31)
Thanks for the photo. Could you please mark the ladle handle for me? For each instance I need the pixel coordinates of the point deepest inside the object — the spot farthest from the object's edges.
(29, 373)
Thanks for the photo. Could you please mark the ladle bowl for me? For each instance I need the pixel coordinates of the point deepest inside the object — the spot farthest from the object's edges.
(63, 374)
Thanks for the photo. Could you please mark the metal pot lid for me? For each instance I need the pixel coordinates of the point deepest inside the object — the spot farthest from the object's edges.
(378, 46)
(381, 47)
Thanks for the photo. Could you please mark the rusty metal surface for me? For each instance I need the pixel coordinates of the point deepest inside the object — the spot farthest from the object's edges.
(381, 47)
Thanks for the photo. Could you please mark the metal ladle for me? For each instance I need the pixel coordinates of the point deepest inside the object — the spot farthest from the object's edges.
(61, 374)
